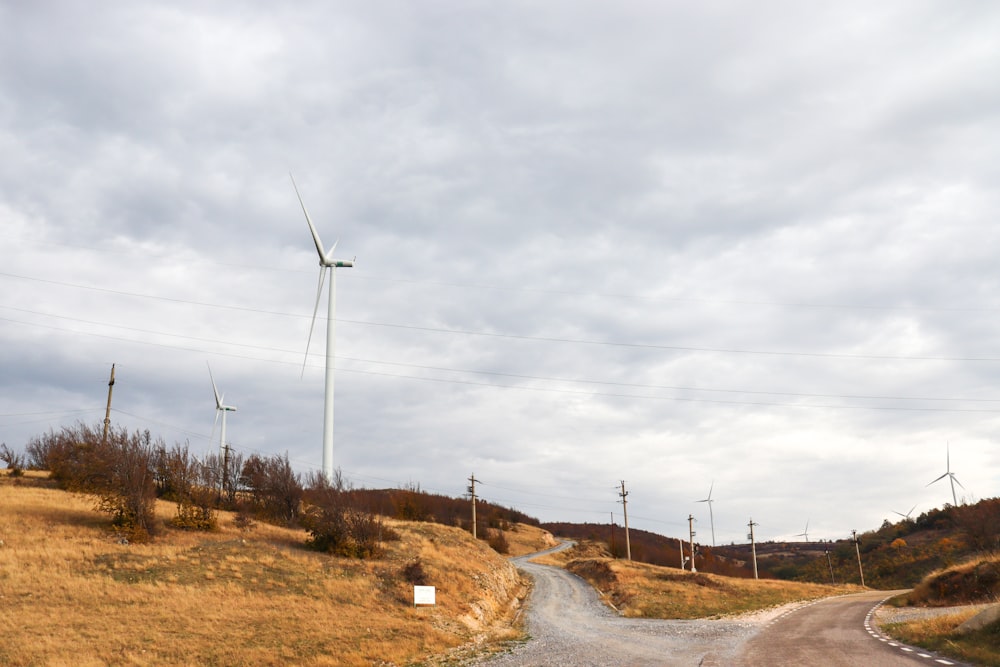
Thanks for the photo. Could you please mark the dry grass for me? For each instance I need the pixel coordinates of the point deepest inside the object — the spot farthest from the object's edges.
(938, 633)
(913, 618)
(652, 591)
(525, 539)
(230, 598)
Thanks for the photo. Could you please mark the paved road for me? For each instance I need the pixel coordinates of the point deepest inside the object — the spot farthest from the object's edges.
(832, 632)
(570, 627)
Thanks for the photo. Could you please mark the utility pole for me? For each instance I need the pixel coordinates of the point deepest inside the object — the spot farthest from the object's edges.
(225, 470)
(857, 550)
(613, 554)
(628, 546)
(680, 547)
(753, 547)
(472, 493)
(829, 562)
(692, 534)
(107, 413)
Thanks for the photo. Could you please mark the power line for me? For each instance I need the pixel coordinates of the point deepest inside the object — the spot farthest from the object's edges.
(684, 399)
(576, 341)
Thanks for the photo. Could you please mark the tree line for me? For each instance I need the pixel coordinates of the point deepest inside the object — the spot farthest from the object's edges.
(127, 472)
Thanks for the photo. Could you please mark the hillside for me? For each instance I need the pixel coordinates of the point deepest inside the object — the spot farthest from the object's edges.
(897, 555)
(252, 596)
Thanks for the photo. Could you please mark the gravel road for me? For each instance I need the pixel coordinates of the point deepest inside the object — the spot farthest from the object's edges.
(570, 627)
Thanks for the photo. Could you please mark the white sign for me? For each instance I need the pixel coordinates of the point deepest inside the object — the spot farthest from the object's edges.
(423, 595)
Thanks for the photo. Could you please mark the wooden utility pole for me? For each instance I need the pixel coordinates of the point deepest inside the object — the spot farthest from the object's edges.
(472, 493)
(829, 561)
(857, 550)
(628, 545)
(753, 547)
(613, 554)
(107, 412)
(691, 534)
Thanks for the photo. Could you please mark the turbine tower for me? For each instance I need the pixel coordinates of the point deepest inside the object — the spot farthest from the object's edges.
(950, 475)
(326, 264)
(711, 518)
(222, 409)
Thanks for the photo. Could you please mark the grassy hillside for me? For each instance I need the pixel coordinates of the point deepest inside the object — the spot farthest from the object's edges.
(235, 597)
(956, 597)
(652, 591)
(897, 555)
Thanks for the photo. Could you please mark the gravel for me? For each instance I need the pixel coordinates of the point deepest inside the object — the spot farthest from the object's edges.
(569, 626)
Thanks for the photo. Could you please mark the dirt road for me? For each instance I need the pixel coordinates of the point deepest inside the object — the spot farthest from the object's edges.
(569, 626)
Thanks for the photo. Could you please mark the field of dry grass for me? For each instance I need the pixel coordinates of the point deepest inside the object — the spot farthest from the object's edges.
(232, 597)
(652, 591)
(930, 615)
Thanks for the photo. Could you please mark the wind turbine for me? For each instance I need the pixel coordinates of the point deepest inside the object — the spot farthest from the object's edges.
(907, 515)
(710, 516)
(951, 477)
(326, 264)
(804, 533)
(222, 409)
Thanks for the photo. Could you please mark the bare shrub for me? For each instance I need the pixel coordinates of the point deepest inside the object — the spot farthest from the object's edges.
(14, 461)
(121, 474)
(413, 572)
(338, 528)
(498, 541)
(274, 490)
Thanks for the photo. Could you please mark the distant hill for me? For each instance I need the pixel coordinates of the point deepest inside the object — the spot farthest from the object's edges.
(655, 549)
(896, 555)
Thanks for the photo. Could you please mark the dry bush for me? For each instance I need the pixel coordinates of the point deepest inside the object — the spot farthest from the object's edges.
(497, 541)
(413, 572)
(336, 527)
(273, 489)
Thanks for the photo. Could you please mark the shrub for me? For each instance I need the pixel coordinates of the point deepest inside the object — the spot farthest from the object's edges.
(14, 461)
(337, 528)
(413, 572)
(498, 541)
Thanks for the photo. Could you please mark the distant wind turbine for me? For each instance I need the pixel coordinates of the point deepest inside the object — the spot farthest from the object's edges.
(220, 408)
(907, 515)
(327, 264)
(710, 516)
(804, 533)
(950, 475)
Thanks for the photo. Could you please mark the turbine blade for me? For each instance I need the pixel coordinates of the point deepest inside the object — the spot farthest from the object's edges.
(956, 480)
(218, 400)
(319, 295)
(214, 424)
(939, 478)
(312, 227)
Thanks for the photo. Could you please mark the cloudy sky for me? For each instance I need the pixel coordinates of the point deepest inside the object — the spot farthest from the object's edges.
(744, 244)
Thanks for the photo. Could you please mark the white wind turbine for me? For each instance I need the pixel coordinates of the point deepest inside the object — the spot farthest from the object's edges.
(326, 264)
(710, 516)
(950, 475)
(804, 533)
(906, 516)
(220, 408)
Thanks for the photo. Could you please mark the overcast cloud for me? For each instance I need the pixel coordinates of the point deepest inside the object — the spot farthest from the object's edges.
(675, 244)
